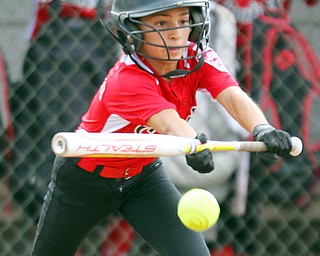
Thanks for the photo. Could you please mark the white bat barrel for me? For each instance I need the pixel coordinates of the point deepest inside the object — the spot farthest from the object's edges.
(59, 145)
(121, 145)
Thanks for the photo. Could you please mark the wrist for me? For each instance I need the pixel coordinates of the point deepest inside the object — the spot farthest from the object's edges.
(260, 129)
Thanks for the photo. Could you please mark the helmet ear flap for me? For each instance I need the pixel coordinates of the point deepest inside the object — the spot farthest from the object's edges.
(196, 32)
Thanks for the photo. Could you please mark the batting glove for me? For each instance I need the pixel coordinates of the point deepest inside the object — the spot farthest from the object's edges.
(277, 141)
(201, 161)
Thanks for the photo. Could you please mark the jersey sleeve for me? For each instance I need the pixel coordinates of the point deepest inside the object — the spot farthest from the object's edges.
(135, 96)
(214, 76)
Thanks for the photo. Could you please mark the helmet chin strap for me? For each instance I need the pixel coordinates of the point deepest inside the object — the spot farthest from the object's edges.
(181, 72)
(174, 73)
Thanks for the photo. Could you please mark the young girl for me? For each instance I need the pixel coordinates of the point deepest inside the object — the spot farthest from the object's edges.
(150, 89)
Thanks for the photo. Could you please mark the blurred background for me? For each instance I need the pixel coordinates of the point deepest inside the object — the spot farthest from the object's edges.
(55, 54)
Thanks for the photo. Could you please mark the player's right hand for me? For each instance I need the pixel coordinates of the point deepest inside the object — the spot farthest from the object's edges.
(201, 161)
(277, 141)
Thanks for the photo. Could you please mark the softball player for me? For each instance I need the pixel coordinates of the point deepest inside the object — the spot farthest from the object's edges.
(150, 89)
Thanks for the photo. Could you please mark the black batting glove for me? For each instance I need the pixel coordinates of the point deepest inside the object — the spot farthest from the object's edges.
(277, 141)
(201, 161)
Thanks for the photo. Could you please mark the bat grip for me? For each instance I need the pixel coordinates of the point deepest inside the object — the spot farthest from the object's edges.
(258, 146)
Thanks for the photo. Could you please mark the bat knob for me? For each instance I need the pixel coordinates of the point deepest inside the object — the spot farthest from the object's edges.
(297, 146)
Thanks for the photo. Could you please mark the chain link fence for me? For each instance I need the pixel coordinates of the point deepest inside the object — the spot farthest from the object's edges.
(264, 210)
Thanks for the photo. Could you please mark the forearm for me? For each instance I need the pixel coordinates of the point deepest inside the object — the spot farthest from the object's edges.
(169, 122)
(242, 108)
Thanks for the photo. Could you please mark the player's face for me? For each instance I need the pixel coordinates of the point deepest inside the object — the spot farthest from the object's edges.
(177, 36)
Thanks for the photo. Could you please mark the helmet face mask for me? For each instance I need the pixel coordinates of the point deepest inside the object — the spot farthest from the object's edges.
(135, 37)
(126, 16)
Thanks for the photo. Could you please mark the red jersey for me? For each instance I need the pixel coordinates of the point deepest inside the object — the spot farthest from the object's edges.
(129, 96)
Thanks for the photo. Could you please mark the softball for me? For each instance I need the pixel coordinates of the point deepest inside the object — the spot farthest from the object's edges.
(198, 209)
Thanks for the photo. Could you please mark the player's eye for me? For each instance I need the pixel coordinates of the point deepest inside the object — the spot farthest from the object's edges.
(161, 24)
(184, 22)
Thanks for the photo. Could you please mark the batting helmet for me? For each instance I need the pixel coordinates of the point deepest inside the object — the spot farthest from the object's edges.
(126, 15)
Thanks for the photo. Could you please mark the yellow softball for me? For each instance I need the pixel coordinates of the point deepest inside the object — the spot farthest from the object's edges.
(198, 209)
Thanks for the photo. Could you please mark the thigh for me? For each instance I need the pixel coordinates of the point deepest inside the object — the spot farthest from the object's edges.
(74, 204)
(151, 209)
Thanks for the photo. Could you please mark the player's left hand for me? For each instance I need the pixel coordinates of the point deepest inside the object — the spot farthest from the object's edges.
(201, 161)
(277, 141)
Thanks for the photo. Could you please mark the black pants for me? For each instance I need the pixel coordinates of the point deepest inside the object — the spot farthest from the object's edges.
(78, 200)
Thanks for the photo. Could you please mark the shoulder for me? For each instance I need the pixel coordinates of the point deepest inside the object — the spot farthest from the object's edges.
(126, 70)
(126, 75)
(212, 58)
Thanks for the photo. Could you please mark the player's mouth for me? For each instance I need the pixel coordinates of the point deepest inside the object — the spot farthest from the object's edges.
(175, 52)
(174, 49)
